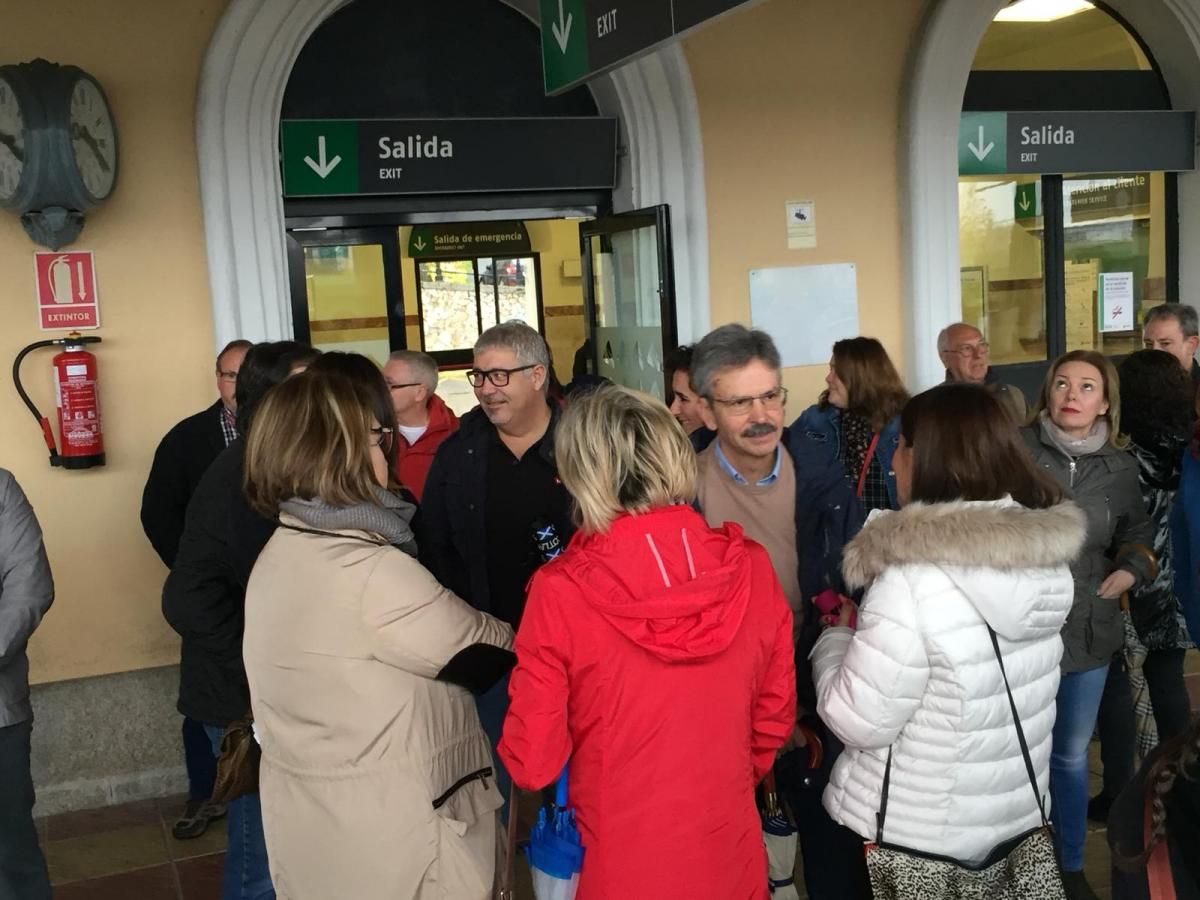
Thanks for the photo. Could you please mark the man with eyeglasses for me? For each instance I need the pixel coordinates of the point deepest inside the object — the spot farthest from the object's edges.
(789, 494)
(182, 458)
(494, 507)
(423, 419)
(964, 353)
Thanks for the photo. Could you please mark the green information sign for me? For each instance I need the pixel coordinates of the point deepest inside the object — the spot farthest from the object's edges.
(1025, 201)
(982, 143)
(326, 158)
(469, 239)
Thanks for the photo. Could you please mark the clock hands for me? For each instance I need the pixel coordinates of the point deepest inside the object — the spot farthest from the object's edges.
(11, 143)
(81, 132)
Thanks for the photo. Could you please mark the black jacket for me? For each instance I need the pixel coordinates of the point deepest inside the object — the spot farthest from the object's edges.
(204, 597)
(180, 462)
(451, 533)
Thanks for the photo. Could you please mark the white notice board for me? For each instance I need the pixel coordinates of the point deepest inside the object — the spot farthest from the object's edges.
(805, 309)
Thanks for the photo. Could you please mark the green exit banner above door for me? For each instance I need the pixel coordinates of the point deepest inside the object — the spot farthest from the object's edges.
(583, 38)
(1048, 143)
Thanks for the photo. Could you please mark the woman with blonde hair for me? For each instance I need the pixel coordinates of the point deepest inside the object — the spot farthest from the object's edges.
(376, 779)
(858, 416)
(1076, 438)
(656, 654)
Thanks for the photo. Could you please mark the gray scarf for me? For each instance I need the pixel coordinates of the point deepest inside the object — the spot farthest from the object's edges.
(389, 517)
(1075, 447)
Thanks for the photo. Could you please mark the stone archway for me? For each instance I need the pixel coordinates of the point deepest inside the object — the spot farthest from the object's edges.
(237, 126)
(953, 31)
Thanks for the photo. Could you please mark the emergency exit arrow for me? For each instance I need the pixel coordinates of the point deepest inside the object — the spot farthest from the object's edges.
(981, 151)
(562, 28)
(1024, 203)
(324, 167)
(420, 244)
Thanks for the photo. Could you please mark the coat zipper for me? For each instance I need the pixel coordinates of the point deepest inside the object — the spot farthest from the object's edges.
(1072, 477)
(480, 775)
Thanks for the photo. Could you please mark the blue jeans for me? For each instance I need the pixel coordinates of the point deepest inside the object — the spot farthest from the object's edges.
(1078, 702)
(493, 706)
(247, 876)
(198, 757)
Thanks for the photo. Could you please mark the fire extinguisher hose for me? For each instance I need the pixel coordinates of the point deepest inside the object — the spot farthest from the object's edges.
(47, 433)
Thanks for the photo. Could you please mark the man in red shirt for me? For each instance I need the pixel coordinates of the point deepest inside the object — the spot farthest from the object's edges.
(422, 419)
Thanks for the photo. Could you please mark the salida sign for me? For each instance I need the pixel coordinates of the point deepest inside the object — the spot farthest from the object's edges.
(436, 156)
(66, 290)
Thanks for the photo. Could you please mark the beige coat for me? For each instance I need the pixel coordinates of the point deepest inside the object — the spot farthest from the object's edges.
(376, 778)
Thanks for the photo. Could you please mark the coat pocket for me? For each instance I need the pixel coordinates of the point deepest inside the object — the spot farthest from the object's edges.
(465, 816)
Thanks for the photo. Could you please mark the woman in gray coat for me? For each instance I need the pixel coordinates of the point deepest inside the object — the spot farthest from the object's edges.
(1075, 436)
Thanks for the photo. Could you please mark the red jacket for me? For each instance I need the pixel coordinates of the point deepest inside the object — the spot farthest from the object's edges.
(413, 460)
(658, 657)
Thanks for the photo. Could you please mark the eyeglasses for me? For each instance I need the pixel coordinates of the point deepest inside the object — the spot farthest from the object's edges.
(381, 437)
(498, 377)
(396, 387)
(772, 401)
(226, 376)
(969, 350)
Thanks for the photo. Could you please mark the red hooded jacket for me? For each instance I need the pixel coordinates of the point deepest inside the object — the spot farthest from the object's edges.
(657, 657)
(413, 460)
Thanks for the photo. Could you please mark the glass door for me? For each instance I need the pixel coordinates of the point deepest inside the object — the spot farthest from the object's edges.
(629, 297)
(346, 292)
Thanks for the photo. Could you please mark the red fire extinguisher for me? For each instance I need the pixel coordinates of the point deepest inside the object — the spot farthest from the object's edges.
(81, 435)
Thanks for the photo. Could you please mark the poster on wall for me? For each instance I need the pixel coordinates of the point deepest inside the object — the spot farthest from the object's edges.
(1116, 301)
(805, 309)
(801, 224)
(1080, 278)
(973, 281)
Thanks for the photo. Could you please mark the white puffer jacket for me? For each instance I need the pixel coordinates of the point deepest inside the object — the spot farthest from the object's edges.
(920, 674)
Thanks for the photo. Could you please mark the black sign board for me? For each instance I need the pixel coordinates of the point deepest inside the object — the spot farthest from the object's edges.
(327, 157)
(469, 239)
(582, 38)
(1123, 196)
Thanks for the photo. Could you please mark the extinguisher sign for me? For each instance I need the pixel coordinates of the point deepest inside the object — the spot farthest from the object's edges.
(66, 290)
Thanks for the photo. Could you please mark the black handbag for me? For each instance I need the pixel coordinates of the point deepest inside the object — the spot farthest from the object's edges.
(1016, 869)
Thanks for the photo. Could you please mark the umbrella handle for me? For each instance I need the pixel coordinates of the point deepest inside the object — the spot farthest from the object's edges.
(560, 791)
(770, 794)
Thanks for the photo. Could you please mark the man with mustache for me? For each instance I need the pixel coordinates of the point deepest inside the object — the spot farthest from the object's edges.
(494, 508)
(789, 494)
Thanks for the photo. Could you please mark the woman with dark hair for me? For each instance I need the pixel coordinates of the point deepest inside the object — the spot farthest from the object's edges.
(1076, 438)
(377, 779)
(1154, 828)
(683, 402)
(1156, 412)
(973, 566)
(858, 417)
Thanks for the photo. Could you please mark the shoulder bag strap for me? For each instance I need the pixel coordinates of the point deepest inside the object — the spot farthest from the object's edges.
(866, 466)
(1159, 878)
(1020, 731)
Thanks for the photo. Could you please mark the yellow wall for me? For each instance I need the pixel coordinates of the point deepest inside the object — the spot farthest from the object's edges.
(156, 361)
(803, 101)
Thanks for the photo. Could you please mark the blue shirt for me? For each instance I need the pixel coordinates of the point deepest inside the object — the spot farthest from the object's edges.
(733, 473)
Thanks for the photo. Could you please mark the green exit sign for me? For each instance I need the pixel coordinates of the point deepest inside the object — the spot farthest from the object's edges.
(1027, 202)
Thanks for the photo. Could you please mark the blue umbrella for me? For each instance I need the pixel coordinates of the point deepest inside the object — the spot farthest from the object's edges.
(779, 837)
(554, 849)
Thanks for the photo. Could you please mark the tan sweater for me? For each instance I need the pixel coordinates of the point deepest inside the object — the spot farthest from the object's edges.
(766, 513)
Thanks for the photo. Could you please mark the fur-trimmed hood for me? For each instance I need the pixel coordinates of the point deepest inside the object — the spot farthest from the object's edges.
(996, 553)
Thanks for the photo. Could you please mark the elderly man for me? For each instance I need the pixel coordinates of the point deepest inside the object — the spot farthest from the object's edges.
(182, 458)
(789, 494)
(494, 508)
(26, 592)
(964, 353)
(422, 417)
(1173, 327)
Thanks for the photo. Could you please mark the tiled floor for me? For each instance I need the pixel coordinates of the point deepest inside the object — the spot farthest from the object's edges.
(127, 852)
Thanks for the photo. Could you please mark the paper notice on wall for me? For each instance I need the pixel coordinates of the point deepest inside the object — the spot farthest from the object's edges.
(801, 224)
(1080, 278)
(1116, 301)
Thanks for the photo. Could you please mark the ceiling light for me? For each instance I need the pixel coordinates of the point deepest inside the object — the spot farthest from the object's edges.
(1041, 10)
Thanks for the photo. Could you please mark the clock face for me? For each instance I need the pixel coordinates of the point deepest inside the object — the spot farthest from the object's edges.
(12, 141)
(93, 138)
